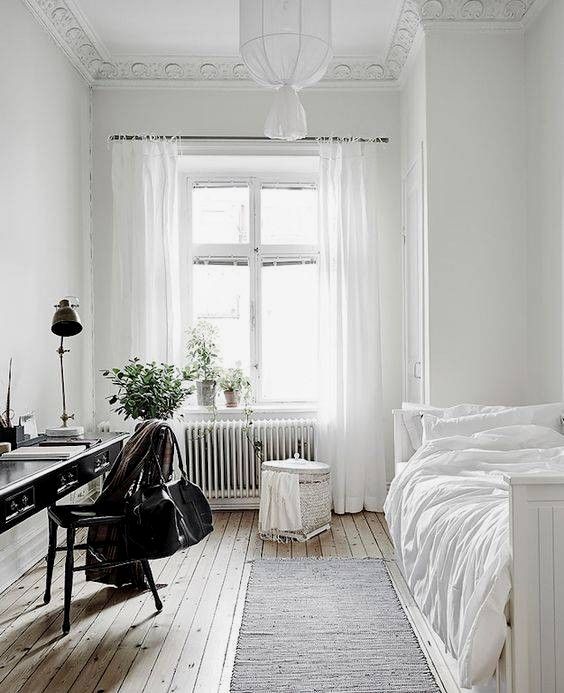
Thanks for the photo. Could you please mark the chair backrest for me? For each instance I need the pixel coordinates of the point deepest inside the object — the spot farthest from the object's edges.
(145, 458)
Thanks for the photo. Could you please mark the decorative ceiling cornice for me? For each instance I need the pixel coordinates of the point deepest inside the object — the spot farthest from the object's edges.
(71, 31)
(209, 69)
(57, 17)
(469, 13)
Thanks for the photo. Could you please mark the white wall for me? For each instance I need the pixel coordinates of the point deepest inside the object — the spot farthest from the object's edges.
(44, 121)
(544, 52)
(219, 112)
(476, 165)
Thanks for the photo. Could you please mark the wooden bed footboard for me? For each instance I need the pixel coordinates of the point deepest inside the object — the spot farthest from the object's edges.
(537, 597)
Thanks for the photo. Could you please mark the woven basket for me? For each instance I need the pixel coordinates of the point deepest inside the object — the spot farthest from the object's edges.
(315, 495)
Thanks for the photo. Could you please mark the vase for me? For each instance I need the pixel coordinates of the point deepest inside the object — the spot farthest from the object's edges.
(231, 398)
(206, 393)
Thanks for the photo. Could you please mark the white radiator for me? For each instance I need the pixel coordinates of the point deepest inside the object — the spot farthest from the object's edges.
(222, 461)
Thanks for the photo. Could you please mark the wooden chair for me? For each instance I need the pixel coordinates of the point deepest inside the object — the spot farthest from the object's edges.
(71, 518)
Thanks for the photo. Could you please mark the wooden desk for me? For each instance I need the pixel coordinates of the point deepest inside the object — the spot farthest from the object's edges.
(28, 486)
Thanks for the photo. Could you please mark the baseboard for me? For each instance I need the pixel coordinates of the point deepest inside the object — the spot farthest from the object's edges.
(234, 503)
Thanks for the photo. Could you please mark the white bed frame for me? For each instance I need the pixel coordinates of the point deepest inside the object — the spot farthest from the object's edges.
(533, 657)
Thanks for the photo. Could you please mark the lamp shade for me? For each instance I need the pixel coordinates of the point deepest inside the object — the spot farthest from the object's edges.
(66, 321)
(286, 45)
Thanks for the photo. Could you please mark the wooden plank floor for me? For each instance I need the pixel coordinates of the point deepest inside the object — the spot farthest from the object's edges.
(117, 641)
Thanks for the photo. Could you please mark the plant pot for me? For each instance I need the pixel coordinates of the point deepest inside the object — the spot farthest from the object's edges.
(206, 393)
(231, 398)
(13, 435)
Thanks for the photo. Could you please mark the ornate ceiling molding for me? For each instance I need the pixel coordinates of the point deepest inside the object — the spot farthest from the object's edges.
(71, 31)
(474, 10)
(467, 13)
(57, 17)
(210, 69)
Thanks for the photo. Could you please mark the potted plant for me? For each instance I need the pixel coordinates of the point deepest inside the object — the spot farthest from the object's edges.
(234, 384)
(147, 390)
(203, 361)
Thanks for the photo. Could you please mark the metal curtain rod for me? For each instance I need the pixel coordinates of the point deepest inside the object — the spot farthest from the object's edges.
(383, 140)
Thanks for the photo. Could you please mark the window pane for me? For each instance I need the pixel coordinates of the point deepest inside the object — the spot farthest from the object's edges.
(220, 214)
(289, 215)
(289, 332)
(221, 296)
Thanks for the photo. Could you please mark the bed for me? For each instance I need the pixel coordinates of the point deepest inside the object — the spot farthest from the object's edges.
(476, 514)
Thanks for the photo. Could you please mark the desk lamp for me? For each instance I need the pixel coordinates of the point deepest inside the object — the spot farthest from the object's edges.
(66, 323)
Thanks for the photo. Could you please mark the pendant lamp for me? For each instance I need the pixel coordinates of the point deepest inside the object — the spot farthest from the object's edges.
(286, 45)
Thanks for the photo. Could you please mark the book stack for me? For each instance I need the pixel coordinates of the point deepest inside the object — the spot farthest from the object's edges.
(59, 452)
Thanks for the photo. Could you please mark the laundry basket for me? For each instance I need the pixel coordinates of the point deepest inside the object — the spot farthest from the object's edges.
(314, 498)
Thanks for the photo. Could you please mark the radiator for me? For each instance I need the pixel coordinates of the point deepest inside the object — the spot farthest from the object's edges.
(221, 458)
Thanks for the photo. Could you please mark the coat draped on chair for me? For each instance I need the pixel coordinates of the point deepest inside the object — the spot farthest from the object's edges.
(152, 440)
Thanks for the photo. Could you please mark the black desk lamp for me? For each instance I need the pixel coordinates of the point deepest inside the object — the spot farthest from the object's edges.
(66, 323)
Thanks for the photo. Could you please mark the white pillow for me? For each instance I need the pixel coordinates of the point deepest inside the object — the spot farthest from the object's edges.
(524, 436)
(469, 409)
(411, 415)
(549, 415)
(414, 411)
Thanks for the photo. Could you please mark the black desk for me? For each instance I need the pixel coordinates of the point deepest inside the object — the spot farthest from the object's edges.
(28, 486)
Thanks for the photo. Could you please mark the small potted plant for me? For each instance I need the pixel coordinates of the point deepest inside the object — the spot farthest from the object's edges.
(147, 390)
(235, 385)
(203, 361)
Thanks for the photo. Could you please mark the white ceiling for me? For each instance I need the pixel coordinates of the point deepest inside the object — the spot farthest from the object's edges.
(195, 42)
(210, 27)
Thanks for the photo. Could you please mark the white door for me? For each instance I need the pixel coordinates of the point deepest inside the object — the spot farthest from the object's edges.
(413, 268)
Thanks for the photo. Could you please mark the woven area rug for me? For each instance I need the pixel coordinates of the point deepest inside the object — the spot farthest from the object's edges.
(329, 624)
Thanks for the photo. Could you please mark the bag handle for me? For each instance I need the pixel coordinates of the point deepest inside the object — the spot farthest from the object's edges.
(153, 457)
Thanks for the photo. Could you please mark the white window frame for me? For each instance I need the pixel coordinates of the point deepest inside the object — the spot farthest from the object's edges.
(254, 252)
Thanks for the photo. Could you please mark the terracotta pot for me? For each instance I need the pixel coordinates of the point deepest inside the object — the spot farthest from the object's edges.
(231, 398)
(206, 393)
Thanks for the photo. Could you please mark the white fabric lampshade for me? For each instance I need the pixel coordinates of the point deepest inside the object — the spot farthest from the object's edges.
(286, 45)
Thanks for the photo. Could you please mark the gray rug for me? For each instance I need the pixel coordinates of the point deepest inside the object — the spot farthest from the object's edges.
(326, 625)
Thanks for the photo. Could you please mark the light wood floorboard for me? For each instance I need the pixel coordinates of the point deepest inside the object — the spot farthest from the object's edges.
(119, 643)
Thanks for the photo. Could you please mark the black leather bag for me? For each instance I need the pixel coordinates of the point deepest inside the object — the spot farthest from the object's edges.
(196, 522)
(163, 518)
(153, 524)
(195, 511)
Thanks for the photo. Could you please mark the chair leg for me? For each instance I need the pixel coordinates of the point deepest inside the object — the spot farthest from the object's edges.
(51, 552)
(149, 577)
(69, 573)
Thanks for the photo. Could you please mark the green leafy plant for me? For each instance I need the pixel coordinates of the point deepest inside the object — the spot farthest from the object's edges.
(203, 353)
(234, 380)
(147, 390)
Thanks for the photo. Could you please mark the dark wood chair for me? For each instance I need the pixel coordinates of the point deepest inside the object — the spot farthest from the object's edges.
(71, 518)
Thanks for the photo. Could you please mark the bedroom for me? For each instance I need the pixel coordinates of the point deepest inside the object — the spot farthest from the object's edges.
(449, 284)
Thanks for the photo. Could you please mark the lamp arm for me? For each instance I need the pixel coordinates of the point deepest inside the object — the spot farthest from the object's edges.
(64, 416)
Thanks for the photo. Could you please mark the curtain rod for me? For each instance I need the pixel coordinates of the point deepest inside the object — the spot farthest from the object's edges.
(227, 138)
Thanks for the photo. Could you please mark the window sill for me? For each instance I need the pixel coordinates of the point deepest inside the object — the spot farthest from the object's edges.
(275, 410)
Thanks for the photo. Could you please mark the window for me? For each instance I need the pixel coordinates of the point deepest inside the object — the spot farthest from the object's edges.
(254, 246)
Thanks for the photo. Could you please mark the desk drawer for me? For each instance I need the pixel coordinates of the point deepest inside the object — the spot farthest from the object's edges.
(96, 464)
(67, 479)
(19, 504)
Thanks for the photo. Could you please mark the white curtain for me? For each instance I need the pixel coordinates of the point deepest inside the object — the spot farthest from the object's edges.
(350, 376)
(145, 296)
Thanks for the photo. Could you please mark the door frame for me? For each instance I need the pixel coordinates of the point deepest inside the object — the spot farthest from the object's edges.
(419, 160)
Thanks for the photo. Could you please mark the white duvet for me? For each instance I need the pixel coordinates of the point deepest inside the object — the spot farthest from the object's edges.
(448, 513)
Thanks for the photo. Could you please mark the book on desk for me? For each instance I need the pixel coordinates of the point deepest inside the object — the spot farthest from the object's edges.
(37, 452)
